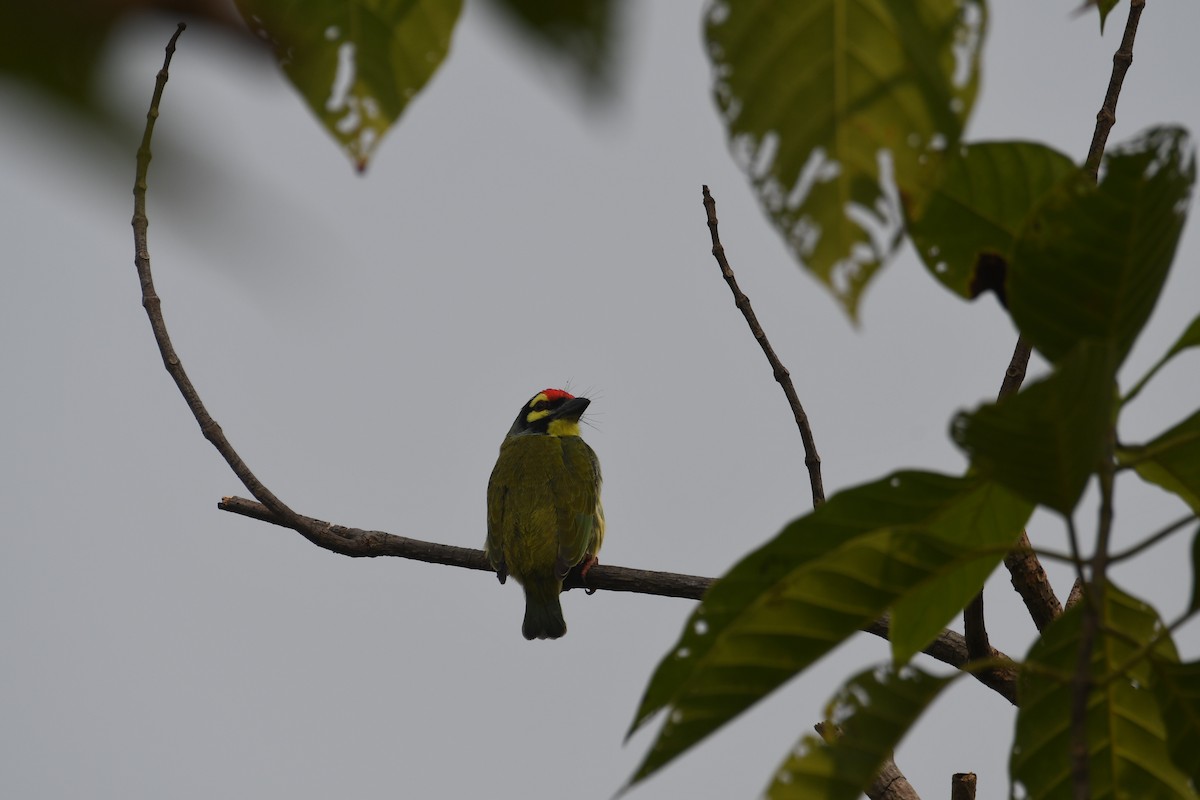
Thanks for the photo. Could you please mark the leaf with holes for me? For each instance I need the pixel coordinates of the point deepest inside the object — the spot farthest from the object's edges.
(357, 63)
(1090, 263)
(830, 107)
(818, 582)
(873, 711)
(965, 232)
(1171, 460)
(1045, 442)
(1127, 740)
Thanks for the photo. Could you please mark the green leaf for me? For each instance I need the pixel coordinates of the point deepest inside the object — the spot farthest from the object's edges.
(357, 63)
(1171, 460)
(580, 34)
(874, 710)
(825, 576)
(1045, 442)
(816, 96)
(984, 531)
(971, 220)
(1127, 740)
(1090, 263)
(1104, 6)
(1188, 339)
(1177, 687)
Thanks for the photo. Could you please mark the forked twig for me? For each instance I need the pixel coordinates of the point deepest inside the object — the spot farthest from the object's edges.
(811, 460)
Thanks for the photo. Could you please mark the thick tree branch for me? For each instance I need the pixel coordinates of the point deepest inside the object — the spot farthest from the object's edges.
(811, 460)
(975, 629)
(962, 786)
(889, 782)
(359, 543)
(1025, 570)
(949, 647)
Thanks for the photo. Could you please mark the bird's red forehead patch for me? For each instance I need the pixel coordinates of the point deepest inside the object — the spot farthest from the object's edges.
(557, 394)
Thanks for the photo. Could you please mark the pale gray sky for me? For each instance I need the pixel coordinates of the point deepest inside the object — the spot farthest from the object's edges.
(365, 342)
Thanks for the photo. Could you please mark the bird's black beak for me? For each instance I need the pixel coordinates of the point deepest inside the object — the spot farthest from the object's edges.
(572, 409)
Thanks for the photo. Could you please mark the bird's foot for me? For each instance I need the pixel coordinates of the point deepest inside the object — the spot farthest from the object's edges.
(588, 562)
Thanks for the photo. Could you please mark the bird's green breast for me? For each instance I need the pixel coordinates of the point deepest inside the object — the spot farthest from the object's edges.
(544, 511)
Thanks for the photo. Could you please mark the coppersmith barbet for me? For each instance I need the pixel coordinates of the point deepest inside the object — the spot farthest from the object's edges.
(543, 507)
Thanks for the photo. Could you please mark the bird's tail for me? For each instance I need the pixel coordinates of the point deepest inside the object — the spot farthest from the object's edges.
(543, 611)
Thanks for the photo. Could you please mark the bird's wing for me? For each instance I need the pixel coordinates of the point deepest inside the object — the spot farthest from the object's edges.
(522, 517)
(577, 491)
(498, 512)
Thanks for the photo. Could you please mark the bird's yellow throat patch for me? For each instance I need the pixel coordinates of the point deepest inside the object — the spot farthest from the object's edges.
(563, 427)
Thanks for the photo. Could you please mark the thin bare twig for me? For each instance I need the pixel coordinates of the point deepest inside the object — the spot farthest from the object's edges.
(153, 305)
(949, 647)
(1014, 376)
(1149, 542)
(811, 460)
(1107, 116)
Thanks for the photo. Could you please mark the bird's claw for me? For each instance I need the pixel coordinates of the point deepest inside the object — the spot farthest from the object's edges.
(588, 562)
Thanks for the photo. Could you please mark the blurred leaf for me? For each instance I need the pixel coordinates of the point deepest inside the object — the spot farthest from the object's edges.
(822, 578)
(981, 201)
(1090, 263)
(1171, 460)
(1104, 6)
(1126, 736)
(1177, 687)
(984, 531)
(874, 710)
(1194, 606)
(1188, 339)
(828, 102)
(357, 63)
(1045, 442)
(581, 34)
(56, 44)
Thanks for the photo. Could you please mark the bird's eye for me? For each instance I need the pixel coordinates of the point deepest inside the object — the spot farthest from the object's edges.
(540, 404)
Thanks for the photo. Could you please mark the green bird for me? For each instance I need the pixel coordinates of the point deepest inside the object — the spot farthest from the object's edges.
(543, 507)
